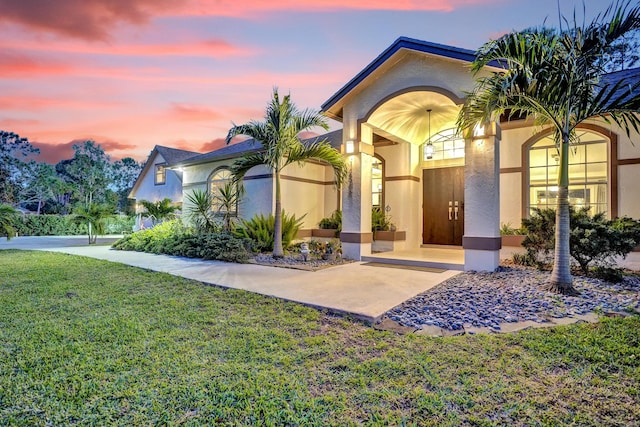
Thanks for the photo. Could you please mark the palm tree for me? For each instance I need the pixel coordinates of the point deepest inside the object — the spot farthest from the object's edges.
(557, 77)
(281, 146)
(94, 217)
(7, 220)
(160, 210)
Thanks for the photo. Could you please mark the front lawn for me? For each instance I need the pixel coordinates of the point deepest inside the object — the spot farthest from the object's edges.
(89, 342)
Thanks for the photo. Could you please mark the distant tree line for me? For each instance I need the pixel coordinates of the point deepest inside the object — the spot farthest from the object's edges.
(90, 177)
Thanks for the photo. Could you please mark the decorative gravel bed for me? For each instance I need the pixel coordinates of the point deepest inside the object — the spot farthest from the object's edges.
(511, 294)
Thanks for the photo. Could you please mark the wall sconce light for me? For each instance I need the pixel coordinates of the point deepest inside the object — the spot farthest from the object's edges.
(479, 131)
(350, 147)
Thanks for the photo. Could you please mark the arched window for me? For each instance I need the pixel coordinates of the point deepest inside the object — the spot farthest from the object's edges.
(220, 178)
(588, 177)
(444, 145)
(377, 182)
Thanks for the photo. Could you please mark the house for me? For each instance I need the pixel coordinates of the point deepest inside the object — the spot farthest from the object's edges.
(156, 181)
(406, 156)
(307, 190)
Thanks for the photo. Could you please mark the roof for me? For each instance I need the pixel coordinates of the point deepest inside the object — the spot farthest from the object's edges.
(226, 152)
(236, 150)
(170, 155)
(442, 50)
(631, 78)
(173, 155)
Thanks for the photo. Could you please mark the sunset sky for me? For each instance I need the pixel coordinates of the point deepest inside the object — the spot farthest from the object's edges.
(131, 74)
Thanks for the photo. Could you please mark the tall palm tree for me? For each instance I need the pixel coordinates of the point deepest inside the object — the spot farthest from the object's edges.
(279, 135)
(557, 77)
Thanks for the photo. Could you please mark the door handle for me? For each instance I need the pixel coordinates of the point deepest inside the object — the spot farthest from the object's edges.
(450, 210)
(455, 210)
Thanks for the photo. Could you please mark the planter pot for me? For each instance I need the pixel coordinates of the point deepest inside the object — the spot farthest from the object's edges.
(324, 232)
(391, 236)
(329, 257)
(512, 240)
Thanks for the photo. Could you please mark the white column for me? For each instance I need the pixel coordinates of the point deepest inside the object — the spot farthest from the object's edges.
(356, 235)
(481, 241)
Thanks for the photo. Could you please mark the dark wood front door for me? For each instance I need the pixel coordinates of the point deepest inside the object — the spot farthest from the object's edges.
(443, 206)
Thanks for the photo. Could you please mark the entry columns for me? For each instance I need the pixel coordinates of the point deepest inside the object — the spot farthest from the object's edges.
(481, 241)
(356, 235)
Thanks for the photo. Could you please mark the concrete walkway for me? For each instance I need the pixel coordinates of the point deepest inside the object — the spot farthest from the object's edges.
(366, 292)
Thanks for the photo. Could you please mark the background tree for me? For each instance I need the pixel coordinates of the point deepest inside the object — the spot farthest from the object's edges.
(124, 173)
(41, 185)
(557, 76)
(88, 171)
(14, 154)
(279, 136)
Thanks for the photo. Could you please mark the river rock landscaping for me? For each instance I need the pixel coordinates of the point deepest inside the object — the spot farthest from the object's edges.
(511, 294)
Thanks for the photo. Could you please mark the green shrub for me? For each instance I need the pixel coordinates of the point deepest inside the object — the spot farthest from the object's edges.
(380, 221)
(507, 230)
(539, 238)
(8, 219)
(594, 240)
(173, 238)
(49, 225)
(332, 222)
(261, 229)
(158, 239)
(216, 246)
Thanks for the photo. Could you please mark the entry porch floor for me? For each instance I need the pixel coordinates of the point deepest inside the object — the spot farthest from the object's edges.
(432, 256)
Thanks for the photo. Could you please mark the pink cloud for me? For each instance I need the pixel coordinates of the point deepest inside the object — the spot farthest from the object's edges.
(96, 20)
(91, 20)
(210, 48)
(36, 103)
(19, 65)
(194, 113)
(256, 7)
(53, 152)
(212, 145)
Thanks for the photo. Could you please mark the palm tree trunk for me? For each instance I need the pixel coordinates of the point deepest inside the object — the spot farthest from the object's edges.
(561, 280)
(278, 252)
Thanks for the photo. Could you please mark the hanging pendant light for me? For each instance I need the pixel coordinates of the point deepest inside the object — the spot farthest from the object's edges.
(428, 149)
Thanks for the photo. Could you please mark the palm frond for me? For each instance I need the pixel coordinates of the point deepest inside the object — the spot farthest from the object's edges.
(323, 152)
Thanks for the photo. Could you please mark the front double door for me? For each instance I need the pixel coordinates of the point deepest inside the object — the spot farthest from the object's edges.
(443, 206)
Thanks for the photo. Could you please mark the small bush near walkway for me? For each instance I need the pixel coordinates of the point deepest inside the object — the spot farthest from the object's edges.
(173, 238)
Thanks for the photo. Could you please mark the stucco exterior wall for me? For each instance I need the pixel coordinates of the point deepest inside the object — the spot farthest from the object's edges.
(304, 192)
(149, 190)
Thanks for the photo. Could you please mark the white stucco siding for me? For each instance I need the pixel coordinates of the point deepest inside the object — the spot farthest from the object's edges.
(304, 192)
(511, 146)
(628, 193)
(511, 198)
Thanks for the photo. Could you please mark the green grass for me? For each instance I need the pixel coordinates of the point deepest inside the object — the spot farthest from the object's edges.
(89, 342)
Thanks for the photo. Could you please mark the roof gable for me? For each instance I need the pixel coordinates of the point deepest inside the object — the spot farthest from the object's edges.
(407, 43)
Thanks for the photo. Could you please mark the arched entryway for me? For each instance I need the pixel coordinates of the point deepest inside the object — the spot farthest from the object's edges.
(414, 130)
